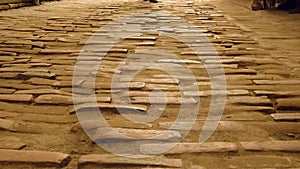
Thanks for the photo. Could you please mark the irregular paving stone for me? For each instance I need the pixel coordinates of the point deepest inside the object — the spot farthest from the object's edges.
(217, 92)
(68, 100)
(276, 93)
(102, 159)
(35, 157)
(286, 146)
(178, 61)
(8, 125)
(57, 51)
(198, 126)
(102, 134)
(41, 81)
(4, 114)
(43, 91)
(277, 82)
(14, 145)
(158, 100)
(286, 116)
(21, 108)
(92, 124)
(89, 106)
(59, 119)
(37, 74)
(6, 91)
(16, 97)
(133, 85)
(249, 100)
(183, 148)
(288, 103)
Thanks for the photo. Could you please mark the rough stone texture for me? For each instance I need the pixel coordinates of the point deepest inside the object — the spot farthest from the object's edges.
(288, 103)
(111, 159)
(183, 148)
(36, 157)
(16, 97)
(287, 146)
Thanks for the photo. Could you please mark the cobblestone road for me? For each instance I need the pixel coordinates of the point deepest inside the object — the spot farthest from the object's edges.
(259, 52)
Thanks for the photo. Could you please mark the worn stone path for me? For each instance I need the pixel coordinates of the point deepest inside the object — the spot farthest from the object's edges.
(40, 45)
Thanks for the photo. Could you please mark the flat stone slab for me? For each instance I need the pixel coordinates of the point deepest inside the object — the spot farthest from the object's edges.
(286, 146)
(68, 100)
(94, 124)
(89, 106)
(288, 103)
(14, 145)
(103, 159)
(101, 134)
(167, 100)
(286, 116)
(250, 100)
(8, 125)
(37, 74)
(178, 61)
(183, 148)
(16, 97)
(36, 157)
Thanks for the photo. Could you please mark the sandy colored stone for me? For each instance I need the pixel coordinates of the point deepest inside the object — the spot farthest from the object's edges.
(36, 157)
(16, 97)
(183, 148)
(103, 159)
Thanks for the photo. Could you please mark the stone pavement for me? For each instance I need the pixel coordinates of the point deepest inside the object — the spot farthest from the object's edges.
(259, 52)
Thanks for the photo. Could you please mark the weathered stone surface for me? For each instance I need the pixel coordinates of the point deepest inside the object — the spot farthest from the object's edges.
(277, 82)
(30, 74)
(111, 160)
(167, 100)
(54, 99)
(16, 97)
(93, 124)
(217, 92)
(58, 119)
(4, 114)
(89, 106)
(182, 148)
(43, 91)
(7, 125)
(249, 100)
(6, 91)
(286, 116)
(36, 157)
(41, 81)
(288, 103)
(223, 126)
(178, 61)
(14, 145)
(36, 109)
(133, 85)
(287, 146)
(102, 134)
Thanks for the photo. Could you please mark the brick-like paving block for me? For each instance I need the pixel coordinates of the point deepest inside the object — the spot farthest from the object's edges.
(14, 145)
(168, 100)
(35, 157)
(183, 148)
(286, 116)
(288, 103)
(286, 146)
(54, 99)
(4, 114)
(103, 134)
(16, 97)
(7, 125)
(103, 159)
